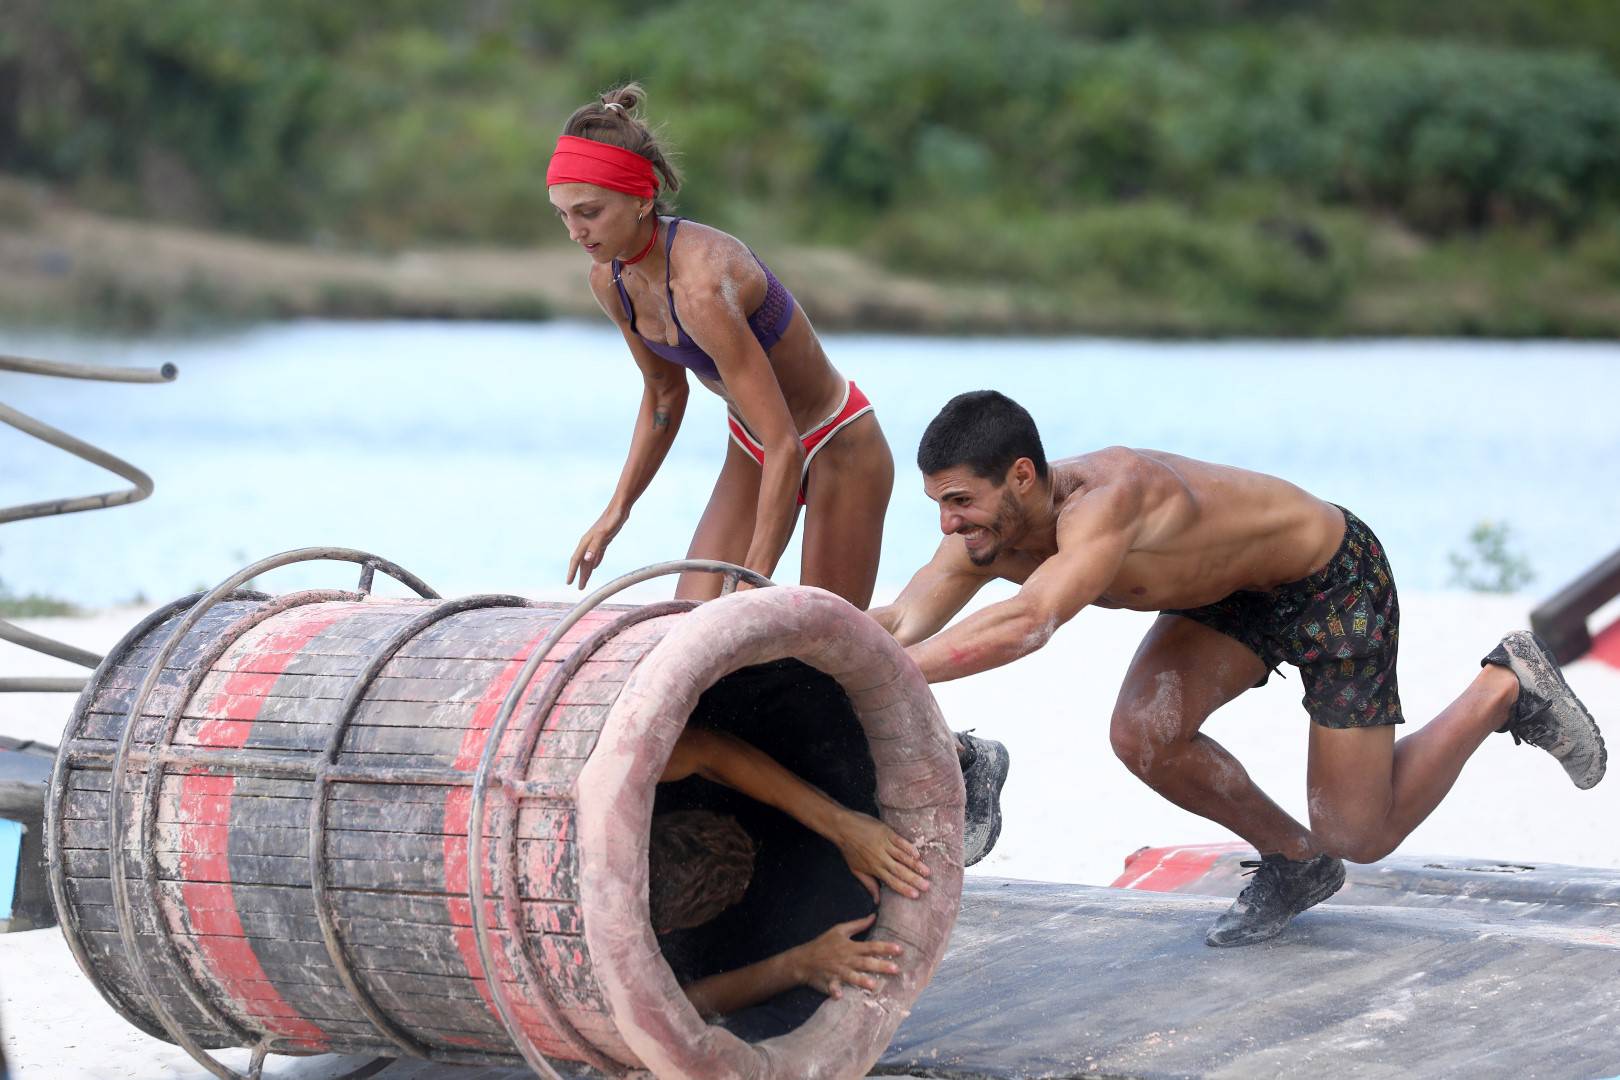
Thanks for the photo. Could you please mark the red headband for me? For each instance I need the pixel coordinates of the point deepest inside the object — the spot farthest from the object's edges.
(586, 161)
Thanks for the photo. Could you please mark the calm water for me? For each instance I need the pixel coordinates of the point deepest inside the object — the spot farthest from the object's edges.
(475, 454)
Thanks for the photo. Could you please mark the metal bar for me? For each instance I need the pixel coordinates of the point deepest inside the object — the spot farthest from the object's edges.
(120, 881)
(99, 372)
(541, 790)
(1561, 618)
(475, 827)
(79, 449)
(322, 789)
(39, 643)
(83, 450)
(246, 761)
(42, 684)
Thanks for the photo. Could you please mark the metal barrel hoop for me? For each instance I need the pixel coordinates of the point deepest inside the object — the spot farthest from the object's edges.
(56, 864)
(120, 882)
(531, 970)
(321, 791)
(161, 754)
(477, 810)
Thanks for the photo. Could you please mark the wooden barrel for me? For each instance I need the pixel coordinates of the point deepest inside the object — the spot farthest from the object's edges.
(298, 794)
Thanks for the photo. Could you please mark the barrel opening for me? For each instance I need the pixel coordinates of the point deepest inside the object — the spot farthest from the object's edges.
(800, 885)
(761, 664)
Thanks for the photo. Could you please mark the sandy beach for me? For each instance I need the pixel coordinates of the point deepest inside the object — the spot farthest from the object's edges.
(1072, 812)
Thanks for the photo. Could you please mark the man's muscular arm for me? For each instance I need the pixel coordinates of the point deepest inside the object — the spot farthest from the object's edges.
(1094, 535)
(933, 595)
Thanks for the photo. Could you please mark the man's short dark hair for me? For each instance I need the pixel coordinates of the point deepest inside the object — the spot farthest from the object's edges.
(984, 430)
(698, 864)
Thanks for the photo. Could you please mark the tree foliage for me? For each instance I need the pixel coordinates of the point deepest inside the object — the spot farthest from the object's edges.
(1149, 140)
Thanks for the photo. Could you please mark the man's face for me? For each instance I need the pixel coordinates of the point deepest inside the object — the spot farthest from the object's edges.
(986, 515)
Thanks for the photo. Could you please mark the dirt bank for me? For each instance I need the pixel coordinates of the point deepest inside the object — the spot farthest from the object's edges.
(64, 264)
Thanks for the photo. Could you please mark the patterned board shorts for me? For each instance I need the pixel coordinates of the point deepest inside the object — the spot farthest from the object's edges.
(1340, 627)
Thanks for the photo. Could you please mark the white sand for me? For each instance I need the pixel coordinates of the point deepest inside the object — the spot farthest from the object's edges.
(1072, 812)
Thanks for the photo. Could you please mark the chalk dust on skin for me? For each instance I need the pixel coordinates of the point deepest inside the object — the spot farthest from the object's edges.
(1039, 636)
(1162, 718)
(1231, 778)
(730, 292)
(1324, 818)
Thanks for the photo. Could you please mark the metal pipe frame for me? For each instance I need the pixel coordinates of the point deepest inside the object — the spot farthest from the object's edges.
(96, 456)
(476, 814)
(122, 903)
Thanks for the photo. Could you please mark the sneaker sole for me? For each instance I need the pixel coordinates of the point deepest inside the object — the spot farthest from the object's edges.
(1004, 765)
(1571, 709)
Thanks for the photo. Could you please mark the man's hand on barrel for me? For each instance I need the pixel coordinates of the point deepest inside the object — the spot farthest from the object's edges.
(877, 853)
(836, 960)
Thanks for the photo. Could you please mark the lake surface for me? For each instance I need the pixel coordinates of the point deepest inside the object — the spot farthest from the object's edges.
(476, 454)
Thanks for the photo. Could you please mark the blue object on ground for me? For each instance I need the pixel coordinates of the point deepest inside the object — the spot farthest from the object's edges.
(11, 836)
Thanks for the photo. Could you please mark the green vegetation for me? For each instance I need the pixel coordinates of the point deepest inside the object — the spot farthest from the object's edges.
(33, 606)
(1173, 166)
(1490, 564)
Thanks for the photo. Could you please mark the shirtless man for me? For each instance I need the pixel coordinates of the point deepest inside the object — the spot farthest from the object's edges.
(1248, 571)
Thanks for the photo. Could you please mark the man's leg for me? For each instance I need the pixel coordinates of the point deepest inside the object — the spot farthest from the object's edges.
(1369, 791)
(1182, 672)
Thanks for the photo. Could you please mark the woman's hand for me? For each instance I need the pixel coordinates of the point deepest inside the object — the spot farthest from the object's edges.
(588, 555)
(876, 853)
(835, 960)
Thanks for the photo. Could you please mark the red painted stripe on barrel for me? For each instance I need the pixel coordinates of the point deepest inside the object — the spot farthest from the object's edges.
(457, 811)
(1167, 869)
(205, 815)
(1606, 646)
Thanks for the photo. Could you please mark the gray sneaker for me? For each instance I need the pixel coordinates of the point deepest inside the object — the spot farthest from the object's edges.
(1548, 714)
(1278, 889)
(984, 771)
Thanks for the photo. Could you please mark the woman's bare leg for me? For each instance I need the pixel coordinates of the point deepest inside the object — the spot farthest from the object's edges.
(850, 482)
(727, 526)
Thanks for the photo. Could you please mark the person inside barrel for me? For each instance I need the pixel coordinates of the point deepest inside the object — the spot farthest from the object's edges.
(690, 298)
(806, 914)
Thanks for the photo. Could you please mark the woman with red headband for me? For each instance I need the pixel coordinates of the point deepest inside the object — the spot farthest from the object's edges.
(691, 298)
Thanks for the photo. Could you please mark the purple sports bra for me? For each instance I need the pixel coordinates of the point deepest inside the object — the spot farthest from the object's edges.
(768, 322)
